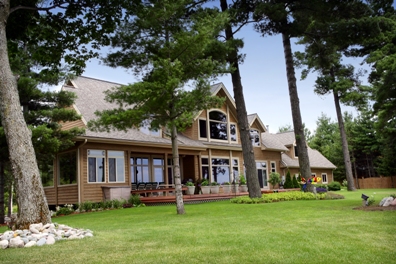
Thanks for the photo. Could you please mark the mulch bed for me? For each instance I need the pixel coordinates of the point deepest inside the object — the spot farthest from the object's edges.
(376, 208)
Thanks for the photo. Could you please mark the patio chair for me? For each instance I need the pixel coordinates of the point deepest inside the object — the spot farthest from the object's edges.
(141, 186)
(133, 186)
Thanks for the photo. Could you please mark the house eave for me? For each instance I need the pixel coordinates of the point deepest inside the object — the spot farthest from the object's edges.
(138, 143)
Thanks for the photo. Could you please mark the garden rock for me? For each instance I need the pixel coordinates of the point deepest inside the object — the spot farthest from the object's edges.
(388, 201)
(3, 244)
(383, 201)
(40, 235)
(393, 203)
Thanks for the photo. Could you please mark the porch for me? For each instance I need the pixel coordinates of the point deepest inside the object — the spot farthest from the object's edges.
(202, 198)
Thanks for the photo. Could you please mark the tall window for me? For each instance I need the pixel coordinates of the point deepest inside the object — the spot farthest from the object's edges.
(273, 166)
(255, 137)
(222, 170)
(219, 127)
(262, 173)
(96, 160)
(295, 151)
(158, 169)
(324, 178)
(67, 168)
(116, 166)
(140, 169)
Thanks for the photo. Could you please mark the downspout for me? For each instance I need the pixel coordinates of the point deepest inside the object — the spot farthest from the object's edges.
(79, 170)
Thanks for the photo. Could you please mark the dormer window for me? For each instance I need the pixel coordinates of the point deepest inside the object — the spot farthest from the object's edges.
(219, 127)
(145, 128)
(255, 137)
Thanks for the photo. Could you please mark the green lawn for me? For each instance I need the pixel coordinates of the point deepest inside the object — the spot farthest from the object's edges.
(322, 231)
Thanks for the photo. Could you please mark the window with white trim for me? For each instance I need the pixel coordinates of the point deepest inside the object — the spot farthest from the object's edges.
(273, 166)
(146, 129)
(255, 137)
(324, 177)
(219, 127)
(96, 170)
(222, 170)
(116, 166)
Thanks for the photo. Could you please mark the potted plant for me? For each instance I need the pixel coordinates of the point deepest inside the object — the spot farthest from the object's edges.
(214, 187)
(242, 183)
(226, 187)
(274, 179)
(190, 187)
(205, 188)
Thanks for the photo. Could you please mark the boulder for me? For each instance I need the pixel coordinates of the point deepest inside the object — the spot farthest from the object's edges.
(30, 244)
(41, 242)
(393, 203)
(16, 242)
(383, 201)
(50, 240)
(388, 201)
(3, 244)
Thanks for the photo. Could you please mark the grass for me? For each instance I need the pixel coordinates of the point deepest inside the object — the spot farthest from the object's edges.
(317, 231)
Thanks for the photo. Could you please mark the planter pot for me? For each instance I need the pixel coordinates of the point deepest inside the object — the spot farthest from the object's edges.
(226, 188)
(190, 190)
(205, 189)
(244, 188)
(214, 189)
(235, 188)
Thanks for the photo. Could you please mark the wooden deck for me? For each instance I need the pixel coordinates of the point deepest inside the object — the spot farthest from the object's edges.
(189, 199)
(202, 198)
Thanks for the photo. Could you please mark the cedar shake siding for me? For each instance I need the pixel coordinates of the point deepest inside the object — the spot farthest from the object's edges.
(108, 162)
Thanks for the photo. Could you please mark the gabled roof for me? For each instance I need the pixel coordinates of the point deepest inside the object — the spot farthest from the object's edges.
(286, 138)
(254, 117)
(216, 89)
(91, 98)
(316, 159)
(269, 142)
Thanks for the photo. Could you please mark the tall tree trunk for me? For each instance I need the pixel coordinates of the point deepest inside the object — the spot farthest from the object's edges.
(345, 149)
(354, 170)
(176, 172)
(2, 182)
(32, 205)
(243, 124)
(302, 147)
(10, 197)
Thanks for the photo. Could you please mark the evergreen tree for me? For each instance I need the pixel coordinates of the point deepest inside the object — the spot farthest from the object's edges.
(288, 182)
(240, 17)
(79, 23)
(168, 43)
(295, 182)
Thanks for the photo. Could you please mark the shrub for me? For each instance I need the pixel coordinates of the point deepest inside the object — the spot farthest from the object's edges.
(65, 210)
(276, 197)
(118, 203)
(134, 199)
(242, 179)
(108, 204)
(288, 183)
(87, 206)
(334, 186)
(274, 179)
(295, 182)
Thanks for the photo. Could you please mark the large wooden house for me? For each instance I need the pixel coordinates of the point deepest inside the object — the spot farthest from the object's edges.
(107, 163)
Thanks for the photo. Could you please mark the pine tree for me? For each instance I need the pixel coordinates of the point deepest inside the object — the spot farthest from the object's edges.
(178, 38)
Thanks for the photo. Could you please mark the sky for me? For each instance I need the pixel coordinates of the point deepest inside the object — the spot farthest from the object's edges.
(264, 83)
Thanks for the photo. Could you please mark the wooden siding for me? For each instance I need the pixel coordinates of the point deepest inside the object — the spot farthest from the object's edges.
(265, 155)
(50, 195)
(67, 194)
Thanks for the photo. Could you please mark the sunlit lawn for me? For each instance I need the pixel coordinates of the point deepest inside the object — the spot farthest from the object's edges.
(322, 231)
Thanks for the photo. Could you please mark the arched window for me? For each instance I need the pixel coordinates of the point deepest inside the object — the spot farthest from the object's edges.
(218, 125)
